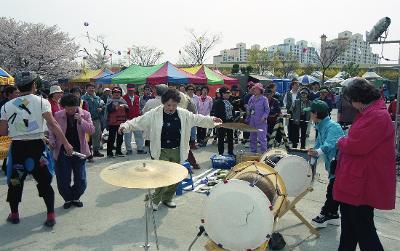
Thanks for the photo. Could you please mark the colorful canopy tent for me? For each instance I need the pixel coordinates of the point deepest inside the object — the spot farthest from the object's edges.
(153, 75)
(103, 73)
(215, 79)
(5, 78)
(85, 76)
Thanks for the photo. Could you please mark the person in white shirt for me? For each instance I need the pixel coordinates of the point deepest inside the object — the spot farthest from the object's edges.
(22, 119)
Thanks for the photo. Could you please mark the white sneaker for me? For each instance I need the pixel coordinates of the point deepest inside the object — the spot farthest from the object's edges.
(155, 206)
(170, 204)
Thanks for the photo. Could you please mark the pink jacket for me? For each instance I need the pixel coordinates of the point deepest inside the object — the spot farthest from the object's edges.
(366, 170)
(86, 126)
(204, 107)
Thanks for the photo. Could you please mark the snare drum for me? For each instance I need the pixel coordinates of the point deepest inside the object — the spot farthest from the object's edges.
(296, 173)
(273, 155)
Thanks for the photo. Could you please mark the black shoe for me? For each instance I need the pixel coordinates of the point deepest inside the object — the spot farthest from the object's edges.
(77, 203)
(169, 204)
(129, 152)
(50, 222)
(13, 218)
(323, 220)
(120, 154)
(98, 154)
(110, 156)
(141, 152)
(67, 204)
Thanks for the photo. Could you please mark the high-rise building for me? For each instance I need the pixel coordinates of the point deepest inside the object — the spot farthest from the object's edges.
(238, 54)
(299, 51)
(357, 50)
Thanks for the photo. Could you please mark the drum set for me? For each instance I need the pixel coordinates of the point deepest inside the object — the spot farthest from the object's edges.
(242, 212)
(239, 213)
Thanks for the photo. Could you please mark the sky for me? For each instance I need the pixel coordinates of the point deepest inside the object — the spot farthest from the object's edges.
(164, 24)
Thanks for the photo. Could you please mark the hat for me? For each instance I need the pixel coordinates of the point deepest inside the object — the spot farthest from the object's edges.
(161, 89)
(55, 89)
(305, 90)
(116, 89)
(234, 88)
(259, 86)
(324, 89)
(25, 77)
(106, 89)
(223, 90)
(131, 87)
(294, 80)
(317, 106)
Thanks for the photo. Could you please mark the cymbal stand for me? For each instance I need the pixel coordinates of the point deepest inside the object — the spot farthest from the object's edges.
(148, 207)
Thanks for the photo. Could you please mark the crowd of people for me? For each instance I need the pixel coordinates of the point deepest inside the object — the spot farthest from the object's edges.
(50, 135)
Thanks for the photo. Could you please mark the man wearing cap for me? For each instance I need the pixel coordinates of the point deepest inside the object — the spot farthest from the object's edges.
(329, 132)
(54, 98)
(133, 102)
(95, 109)
(223, 109)
(314, 94)
(258, 110)
(23, 120)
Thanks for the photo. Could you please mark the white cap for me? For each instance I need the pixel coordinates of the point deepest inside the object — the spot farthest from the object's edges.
(55, 89)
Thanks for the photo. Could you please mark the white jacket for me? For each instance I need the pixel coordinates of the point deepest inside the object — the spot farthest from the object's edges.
(153, 122)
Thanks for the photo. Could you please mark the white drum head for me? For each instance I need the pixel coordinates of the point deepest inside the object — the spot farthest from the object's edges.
(237, 215)
(296, 173)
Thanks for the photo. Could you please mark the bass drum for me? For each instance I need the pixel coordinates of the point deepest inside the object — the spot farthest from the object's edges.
(296, 173)
(265, 178)
(237, 215)
(273, 155)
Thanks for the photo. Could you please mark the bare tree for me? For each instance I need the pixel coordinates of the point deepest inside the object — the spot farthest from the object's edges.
(197, 48)
(100, 57)
(37, 47)
(330, 52)
(144, 55)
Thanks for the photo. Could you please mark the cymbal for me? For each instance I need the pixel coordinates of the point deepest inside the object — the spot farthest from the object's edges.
(144, 174)
(238, 126)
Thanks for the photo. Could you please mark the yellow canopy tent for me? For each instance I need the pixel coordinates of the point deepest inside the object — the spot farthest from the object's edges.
(5, 78)
(85, 76)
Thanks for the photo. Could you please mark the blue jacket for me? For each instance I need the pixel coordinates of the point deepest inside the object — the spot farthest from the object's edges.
(329, 133)
(93, 103)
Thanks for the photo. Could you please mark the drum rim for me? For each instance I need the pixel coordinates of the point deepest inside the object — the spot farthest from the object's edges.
(268, 154)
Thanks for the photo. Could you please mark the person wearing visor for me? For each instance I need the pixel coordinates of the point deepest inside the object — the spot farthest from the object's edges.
(329, 132)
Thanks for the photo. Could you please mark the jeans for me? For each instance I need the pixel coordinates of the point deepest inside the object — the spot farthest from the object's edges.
(138, 139)
(96, 135)
(357, 226)
(193, 134)
(201, 134)
(66, 166)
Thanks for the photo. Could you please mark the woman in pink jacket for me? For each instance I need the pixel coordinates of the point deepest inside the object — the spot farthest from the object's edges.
(75, 123)
(365, 172)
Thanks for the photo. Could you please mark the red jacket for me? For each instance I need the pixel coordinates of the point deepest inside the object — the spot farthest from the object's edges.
(134, 108)
(392, 109)
(366, 170)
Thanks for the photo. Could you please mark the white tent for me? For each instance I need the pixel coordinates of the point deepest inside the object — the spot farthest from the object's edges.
(334, 80)
(371, 75)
